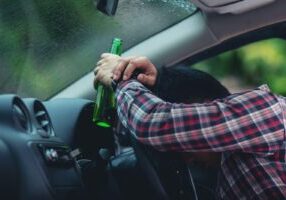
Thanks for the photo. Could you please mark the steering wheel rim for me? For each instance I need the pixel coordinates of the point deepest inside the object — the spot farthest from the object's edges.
(174, 183)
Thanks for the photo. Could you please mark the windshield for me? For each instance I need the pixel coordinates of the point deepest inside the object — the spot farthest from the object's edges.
(47, 45)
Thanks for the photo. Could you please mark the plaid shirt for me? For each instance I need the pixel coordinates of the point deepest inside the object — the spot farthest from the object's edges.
(247, 128)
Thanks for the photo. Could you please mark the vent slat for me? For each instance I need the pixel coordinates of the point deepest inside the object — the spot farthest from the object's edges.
(44, 123)
(40, 114)
(43, 119)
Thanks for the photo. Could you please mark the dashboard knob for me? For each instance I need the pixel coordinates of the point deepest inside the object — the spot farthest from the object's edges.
(51, 155)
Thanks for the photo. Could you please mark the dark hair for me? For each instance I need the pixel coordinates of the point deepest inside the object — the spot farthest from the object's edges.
(183, 84)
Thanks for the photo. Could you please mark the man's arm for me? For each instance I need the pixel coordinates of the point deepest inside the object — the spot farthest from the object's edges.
(247, 122)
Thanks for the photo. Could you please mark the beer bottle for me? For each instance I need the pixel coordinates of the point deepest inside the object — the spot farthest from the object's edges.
(104, 108)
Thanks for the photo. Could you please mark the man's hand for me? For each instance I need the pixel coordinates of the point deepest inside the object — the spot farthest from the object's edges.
(147, 71)
(114, 67)
(104, 68)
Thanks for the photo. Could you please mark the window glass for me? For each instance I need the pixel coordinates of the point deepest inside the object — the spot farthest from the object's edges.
(259, 63)
(45, 45)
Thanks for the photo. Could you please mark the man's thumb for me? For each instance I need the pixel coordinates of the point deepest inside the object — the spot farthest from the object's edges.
(144, 79)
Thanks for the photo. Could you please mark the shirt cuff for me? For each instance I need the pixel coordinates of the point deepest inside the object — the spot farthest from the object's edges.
(122, 84)
(115, 83)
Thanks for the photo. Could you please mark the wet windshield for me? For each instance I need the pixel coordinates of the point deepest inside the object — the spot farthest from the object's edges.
(47, 45)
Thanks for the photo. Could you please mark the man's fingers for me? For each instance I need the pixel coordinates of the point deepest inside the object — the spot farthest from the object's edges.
(105, 68)
(145, 79)
(95, 70)
(119, 69)
(117, 73)
(137, 63)
(105, 55)
(100, 62)
(128, 58)
(126, 67)
(129, 71)
(142, 78)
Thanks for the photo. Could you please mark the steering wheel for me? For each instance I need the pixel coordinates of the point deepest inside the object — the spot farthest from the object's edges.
(167, 175)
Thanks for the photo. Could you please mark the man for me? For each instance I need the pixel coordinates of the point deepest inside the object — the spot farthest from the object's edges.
(247, 128)
(171, 87)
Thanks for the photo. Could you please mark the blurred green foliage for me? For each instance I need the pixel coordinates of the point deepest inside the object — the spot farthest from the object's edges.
(47, 45)
(40, 38)
(255, 64)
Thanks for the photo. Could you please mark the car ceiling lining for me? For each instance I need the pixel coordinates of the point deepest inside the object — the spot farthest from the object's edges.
(274, 31)
(230, 6)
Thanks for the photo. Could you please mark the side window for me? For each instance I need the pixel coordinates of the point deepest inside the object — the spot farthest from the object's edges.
(262, 62)
(45, 45)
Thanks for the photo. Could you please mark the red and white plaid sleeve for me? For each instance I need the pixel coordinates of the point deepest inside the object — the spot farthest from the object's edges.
(246, 122)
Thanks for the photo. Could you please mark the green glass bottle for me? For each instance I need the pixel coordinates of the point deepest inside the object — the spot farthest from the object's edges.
(104, 108)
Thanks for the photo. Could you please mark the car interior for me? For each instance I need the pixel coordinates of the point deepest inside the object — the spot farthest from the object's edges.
(50, 148)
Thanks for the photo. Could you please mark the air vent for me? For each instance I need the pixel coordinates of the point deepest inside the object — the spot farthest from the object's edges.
(21, 116)
(42, 117)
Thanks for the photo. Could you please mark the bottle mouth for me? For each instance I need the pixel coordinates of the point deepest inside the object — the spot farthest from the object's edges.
(103, 124)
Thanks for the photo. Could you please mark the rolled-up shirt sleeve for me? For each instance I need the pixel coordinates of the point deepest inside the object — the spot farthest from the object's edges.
(246, 122)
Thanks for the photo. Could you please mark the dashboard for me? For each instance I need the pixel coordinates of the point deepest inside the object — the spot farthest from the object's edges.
(36, 144)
